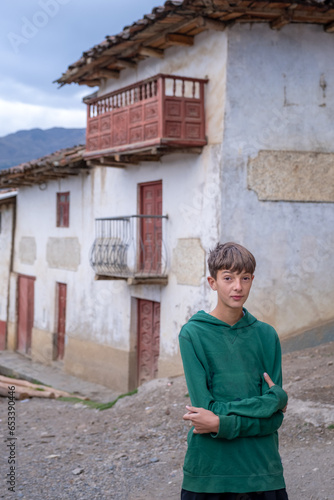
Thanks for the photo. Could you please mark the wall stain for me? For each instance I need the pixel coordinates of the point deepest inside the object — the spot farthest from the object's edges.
(323, 86)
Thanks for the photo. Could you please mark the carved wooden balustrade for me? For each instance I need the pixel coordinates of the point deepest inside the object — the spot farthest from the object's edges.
(161, 113)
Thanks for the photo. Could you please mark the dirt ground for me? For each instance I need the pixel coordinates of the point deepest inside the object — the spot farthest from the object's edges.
(135, 450)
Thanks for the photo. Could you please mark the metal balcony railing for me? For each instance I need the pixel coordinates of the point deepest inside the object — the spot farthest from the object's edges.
(165, 111)
(130, 247)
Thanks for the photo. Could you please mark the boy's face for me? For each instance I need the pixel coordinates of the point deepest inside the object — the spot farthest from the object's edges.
(232, 288)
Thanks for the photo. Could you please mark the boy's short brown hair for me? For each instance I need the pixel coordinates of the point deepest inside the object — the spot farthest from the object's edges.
(232, 257)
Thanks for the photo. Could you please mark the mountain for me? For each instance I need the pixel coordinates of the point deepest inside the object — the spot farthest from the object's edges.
(27, 145)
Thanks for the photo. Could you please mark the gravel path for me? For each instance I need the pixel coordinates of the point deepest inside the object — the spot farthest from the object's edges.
(135, 450)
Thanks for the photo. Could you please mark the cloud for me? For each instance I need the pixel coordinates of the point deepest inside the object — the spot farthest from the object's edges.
(21, 116)
(39, 40)
(69, 96)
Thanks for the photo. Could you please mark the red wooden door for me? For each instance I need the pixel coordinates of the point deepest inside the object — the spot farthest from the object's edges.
(25, 313)
(151, 228)
(61, 320)
(3, 328)
(148, 340)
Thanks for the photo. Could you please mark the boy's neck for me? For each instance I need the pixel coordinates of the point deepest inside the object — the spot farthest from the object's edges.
(227, 315)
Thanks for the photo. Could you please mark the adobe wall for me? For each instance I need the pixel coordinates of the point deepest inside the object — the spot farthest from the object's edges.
(6, 234)
(277, 169)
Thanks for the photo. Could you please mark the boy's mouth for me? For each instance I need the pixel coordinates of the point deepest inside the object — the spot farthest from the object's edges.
(237, 297)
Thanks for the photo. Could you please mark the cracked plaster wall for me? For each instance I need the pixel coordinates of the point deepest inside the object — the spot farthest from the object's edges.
(280, 104)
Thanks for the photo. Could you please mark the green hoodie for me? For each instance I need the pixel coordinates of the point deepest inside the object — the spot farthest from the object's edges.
(224, 368)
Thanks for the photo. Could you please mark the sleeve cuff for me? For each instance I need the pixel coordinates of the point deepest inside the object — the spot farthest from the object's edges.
(281, 396)
(227, 427)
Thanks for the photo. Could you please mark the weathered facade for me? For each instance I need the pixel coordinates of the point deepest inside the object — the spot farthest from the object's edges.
(278, 153)
(112, 289)
(7, 227)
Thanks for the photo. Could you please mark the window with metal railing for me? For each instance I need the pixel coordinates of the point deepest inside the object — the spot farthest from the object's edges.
(119, 250)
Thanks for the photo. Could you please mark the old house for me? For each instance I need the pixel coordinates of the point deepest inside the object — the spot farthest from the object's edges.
(212, 121)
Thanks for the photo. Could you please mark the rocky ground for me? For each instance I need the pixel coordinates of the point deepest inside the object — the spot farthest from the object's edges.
(135, 450)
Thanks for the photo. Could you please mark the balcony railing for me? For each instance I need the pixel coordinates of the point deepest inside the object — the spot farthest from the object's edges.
(130, 247)
(164, 112)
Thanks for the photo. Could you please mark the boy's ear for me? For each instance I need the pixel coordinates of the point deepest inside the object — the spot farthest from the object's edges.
(212, 283)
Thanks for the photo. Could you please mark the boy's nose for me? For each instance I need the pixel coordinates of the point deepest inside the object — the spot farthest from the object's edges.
(237, 285)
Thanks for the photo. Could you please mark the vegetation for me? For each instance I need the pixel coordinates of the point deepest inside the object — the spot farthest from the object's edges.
(94, 404)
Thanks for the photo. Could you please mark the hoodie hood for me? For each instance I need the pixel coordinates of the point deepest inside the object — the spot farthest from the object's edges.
(203, 317)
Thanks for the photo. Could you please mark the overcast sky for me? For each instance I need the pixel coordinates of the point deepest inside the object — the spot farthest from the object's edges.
(39, 40)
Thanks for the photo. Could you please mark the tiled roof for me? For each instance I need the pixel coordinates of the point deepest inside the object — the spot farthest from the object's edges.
(177, 22)
(60, 164)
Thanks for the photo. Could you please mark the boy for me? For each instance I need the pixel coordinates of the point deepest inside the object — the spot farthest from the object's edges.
(236, 407)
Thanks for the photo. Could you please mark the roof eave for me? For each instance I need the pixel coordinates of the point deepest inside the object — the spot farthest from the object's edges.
(177, 22)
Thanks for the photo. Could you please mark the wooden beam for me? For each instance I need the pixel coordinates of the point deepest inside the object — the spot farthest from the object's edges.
(224, 4)
(16, 183)
(149, 52)
(51, 171)
(106, 73)
(297, 15)
(110, 61)
(152, 280)
(16, 175)
(100, 277)
(87, 68)
(45, 177)
(126, 63)
(193, 150)
(210, 24)
(178, 39)
(137, 159)
(38, 170)
(279, 22)
(171, 27)
(89, 83)
(329, 28)
(109, 162)
(117, 157)
(105, 162)
(67, 172)
(93, 163)
(92, 62)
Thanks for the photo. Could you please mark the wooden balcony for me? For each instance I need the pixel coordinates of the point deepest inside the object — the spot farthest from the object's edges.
(146, 120)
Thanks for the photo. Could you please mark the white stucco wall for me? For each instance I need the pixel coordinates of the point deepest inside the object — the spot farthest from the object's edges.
(280, 96)
(6, 211)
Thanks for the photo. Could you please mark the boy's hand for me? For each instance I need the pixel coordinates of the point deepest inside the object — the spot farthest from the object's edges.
(204, 421)
(271, 384)
(268, 380)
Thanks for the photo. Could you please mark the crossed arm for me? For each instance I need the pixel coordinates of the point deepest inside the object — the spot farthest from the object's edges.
(255, 416)
(205, 421)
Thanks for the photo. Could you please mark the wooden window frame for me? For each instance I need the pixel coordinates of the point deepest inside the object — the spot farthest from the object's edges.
(63, 209)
